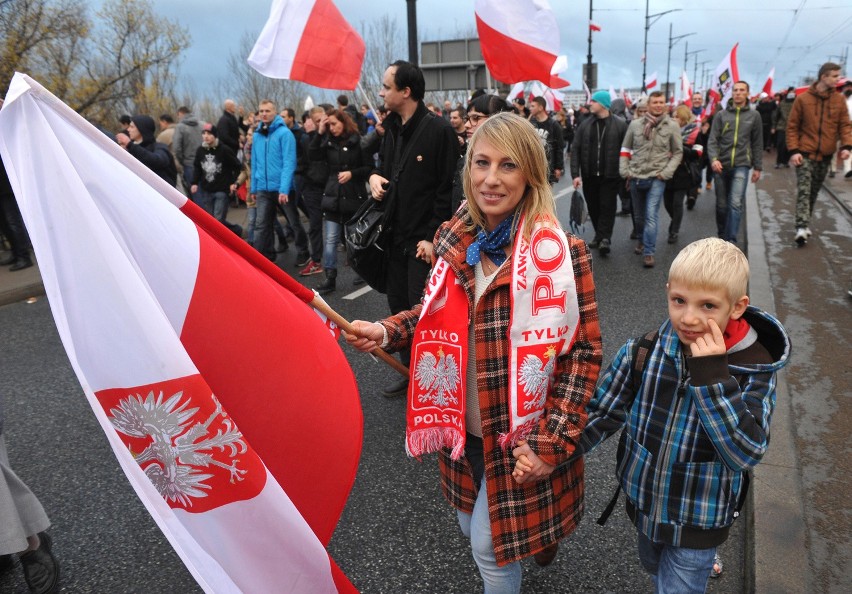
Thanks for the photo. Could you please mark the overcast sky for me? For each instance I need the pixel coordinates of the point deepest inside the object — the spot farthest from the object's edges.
(794, 36)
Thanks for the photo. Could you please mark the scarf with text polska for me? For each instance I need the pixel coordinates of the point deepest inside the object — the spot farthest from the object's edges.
(543, 325)
(650, 123)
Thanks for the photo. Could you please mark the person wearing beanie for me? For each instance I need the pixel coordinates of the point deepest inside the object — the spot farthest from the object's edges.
(215, 170)
(594, 167)
(602, 98)
(139, 142)
(550, 132)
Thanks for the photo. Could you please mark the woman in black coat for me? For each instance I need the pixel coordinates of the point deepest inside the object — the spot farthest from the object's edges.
(682, 181)
(339, 144)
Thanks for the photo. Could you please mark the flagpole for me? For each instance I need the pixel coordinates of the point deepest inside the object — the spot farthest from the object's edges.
(367, 99)
(324, 308)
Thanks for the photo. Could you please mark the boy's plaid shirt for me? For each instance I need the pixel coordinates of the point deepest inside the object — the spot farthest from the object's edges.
(685, 448)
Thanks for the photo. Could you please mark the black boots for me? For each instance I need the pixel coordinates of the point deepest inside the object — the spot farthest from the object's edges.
(330, 282)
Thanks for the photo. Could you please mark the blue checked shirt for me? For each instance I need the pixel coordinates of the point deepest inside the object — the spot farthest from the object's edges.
(687, 443)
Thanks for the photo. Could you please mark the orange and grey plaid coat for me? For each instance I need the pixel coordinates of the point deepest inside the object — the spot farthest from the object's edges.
(524, 518)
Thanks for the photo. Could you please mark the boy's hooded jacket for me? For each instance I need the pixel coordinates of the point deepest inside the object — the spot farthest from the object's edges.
(155, 155)
(692, 431)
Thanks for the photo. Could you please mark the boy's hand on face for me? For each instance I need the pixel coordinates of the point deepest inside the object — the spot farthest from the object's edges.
(712, 343)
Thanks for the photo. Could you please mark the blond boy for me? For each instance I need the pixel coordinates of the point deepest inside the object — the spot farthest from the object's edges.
(699, 418)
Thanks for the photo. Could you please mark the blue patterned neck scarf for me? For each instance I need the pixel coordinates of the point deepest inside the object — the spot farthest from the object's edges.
(491, 243)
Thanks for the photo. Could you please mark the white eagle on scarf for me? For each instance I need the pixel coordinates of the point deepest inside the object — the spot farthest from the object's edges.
(535, 378)
(440, 375)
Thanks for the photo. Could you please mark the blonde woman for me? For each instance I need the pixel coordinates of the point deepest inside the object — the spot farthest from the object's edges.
(505, 354)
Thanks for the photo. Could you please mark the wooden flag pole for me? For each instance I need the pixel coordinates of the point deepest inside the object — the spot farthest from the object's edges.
(335, 317)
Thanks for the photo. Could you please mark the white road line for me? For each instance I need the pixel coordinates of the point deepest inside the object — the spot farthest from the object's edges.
(562, 193)
(355, 294)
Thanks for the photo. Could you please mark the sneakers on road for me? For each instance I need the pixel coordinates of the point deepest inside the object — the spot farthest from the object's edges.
(303, 259)
(802, 235)
(311, 268)
(604, 247)
(41, 570)
(648, 261)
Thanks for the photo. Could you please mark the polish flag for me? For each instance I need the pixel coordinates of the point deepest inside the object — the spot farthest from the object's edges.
(587, 91)
(767, 86)
(198, 357)
(310, 41)
(594, 27)
(516, 91)
(724, 77)
(685, 88)
(651, 81)
(628, 100)
(520, 41)
(553, 97)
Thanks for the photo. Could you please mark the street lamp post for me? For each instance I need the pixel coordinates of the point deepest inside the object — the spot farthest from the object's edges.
(686, 55)
(648, 23)
(672, 42)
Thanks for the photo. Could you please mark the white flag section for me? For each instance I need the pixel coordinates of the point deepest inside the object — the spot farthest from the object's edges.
(119, 264)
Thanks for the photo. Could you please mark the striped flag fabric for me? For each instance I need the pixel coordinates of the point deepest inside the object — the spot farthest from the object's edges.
(310, 41)
(520, 41)
(198, 357)
(651, 81)
(767, 86)
(724, 77)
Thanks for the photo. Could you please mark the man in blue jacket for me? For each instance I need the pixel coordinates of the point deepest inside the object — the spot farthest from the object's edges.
(273, 158)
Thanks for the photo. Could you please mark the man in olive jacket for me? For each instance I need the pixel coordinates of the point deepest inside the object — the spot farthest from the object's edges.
(818, 120)
(735, 146)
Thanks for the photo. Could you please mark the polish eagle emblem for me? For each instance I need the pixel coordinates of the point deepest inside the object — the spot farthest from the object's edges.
(438, 378)
(179, 445)
(535, 378)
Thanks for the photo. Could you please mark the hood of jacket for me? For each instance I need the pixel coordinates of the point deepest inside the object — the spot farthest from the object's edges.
(770, 333)
(146, 126)
(730, 106)
(276, 123)
(190, 119)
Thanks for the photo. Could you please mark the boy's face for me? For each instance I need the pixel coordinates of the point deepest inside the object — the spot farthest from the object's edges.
(692, 308)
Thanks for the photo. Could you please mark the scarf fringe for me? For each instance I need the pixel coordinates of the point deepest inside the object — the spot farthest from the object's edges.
(511, 439)
(432, 439)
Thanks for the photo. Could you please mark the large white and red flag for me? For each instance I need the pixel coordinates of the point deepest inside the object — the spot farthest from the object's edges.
(520, 41)
(310, 41)
(724, 77)
(228, 404)
(767, 86)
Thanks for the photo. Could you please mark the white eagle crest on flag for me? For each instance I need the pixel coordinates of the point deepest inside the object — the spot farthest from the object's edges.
(438, 378)
(179, 445)
(535, 378)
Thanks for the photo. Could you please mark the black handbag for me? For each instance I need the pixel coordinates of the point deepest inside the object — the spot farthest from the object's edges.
(367, 236)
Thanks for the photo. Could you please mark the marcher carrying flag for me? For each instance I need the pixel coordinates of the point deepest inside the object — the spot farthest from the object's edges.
(201, 360)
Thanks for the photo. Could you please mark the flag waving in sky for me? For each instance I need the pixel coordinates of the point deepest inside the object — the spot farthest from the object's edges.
(767, 86)
(310, 41)
(724, 77)
(651, 81)
(199, 358)
(520, 41)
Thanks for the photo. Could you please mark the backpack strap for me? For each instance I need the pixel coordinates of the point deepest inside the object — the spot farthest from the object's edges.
(640, 352)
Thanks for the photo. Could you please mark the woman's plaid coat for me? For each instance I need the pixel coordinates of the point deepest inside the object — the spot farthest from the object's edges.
(524, 518)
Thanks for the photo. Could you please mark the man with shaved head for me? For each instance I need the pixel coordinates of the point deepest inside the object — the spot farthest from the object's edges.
(229, 127)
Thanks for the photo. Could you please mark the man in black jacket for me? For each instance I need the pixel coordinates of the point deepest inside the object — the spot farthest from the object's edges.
(594, 166)
(417, 160)
(229, 127)
(139, 142)
(551, 133)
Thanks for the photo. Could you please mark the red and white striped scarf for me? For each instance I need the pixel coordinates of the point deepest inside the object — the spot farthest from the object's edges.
(544, 321)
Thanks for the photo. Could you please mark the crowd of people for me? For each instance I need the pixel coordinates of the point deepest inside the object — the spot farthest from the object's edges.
(504, 343)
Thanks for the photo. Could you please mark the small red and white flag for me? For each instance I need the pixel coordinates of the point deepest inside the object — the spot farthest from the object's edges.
(628, 100)
(767, 86)
(553, 97)
(310, 41)
(516, 91)
(152, 299)
(594, 26)
(520, 41)
(724, 77)
(685, 88)
(587, 91)
(651, 81)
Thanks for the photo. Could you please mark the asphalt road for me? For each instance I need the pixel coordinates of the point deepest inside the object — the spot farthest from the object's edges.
(397, 533)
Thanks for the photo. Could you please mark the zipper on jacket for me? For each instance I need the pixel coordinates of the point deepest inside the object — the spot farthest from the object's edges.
(819, 128)
(663, 460)
(736, 134)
